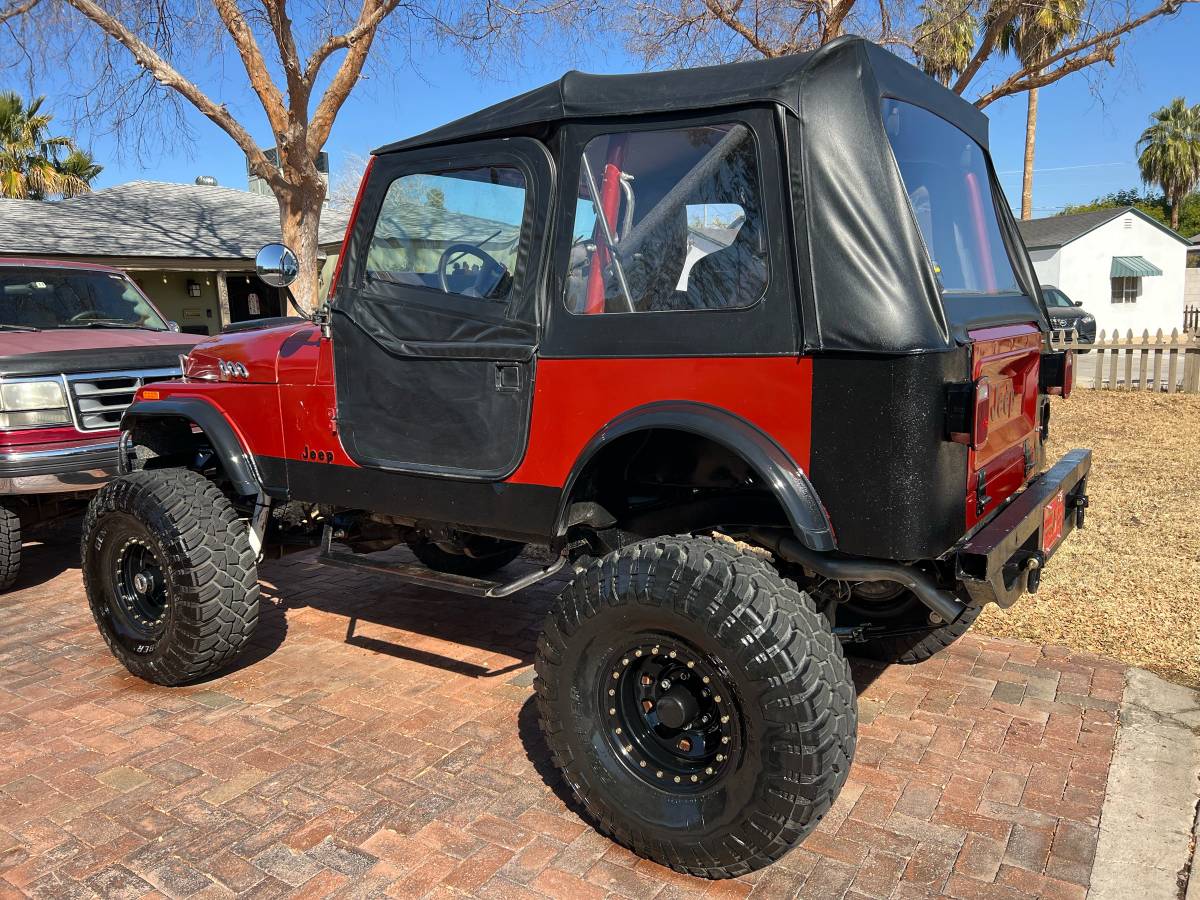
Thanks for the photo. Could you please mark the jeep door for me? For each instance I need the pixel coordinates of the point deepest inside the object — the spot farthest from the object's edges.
(434, 325)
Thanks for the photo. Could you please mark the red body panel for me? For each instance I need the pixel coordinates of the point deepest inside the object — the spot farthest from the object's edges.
(575, 398)
(1010, 357)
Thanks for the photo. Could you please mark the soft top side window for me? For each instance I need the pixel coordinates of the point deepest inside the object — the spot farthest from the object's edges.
(669, 219)
(457, 231)
(946, 177)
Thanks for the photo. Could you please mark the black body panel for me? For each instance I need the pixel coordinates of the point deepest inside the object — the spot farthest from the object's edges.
(520, 512)
(893, 485)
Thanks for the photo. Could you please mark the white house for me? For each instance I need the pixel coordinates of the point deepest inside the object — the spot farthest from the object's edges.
(1126, 268)
(1191, 281)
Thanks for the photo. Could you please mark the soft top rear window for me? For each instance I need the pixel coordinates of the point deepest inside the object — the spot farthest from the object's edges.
(946, 177)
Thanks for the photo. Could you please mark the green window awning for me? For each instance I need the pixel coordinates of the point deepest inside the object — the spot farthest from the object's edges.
(1133, 267)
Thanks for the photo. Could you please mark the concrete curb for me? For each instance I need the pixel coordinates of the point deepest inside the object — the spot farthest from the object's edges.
(1148, 826)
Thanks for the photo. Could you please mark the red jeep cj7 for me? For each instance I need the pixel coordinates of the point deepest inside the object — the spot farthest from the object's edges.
(753, 355)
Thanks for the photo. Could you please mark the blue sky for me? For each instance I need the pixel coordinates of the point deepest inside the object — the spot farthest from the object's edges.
(1088, 123)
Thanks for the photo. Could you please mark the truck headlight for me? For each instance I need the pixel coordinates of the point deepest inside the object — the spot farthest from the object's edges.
(1087, 320)
(32, 404)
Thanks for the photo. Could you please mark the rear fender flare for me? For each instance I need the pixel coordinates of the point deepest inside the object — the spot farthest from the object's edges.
(786, 480)
(238, 464)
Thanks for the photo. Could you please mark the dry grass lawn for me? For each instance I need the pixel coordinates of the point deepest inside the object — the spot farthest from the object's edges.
(1128, 585)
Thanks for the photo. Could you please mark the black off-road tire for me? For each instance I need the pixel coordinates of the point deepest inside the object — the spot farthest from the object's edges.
(918, 646)
(434, 557)
(795, 711)
(10, 547)
(209, 576)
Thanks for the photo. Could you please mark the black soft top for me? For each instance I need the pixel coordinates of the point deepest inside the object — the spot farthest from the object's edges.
(578, 95)
(866, 282)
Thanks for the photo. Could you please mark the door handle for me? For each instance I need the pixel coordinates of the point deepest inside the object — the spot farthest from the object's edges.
(508, 378)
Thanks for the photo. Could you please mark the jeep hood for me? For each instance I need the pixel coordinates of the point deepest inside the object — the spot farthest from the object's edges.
(258, 349)
(66, 350)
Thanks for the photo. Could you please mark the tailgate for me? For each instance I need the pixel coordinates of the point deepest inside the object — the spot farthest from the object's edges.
(1009, 356)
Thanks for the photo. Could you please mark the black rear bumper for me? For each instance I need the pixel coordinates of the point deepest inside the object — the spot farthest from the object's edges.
(1003, 560)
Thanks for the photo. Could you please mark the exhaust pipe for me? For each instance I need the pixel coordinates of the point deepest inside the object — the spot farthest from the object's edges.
(945, 604)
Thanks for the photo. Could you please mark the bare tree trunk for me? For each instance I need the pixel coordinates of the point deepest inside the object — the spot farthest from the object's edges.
(1176, 202)
(1030, 140)
(299, 217)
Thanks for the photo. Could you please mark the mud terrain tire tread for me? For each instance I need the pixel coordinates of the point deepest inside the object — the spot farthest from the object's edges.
(783, 653)
(914, 648)
(212, 571)
(10, 547)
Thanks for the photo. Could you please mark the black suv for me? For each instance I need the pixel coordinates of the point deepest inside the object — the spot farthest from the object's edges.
(1067, 314)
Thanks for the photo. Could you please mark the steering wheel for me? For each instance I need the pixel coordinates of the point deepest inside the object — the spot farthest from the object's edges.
(491, 266)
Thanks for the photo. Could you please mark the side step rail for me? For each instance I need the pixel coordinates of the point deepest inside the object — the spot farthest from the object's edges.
(415, 573)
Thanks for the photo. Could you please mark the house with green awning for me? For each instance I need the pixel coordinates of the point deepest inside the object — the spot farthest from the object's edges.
(1126, 268)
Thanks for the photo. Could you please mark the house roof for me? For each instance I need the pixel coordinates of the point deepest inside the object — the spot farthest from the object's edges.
(151, 219)
(1057, 231)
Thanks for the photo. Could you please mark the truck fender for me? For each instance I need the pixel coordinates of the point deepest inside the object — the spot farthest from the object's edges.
(238, 464)
(786, 480)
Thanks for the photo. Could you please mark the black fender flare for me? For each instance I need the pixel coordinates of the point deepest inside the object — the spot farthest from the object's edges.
(239, 465)
(786, 480)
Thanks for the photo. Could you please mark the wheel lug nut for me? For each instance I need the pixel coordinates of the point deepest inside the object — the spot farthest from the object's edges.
(665, 684)
(695, 778)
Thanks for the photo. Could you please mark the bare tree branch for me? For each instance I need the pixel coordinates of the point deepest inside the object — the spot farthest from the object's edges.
(12, 12)
(166, 75)
(256, 67)
(1103, 46)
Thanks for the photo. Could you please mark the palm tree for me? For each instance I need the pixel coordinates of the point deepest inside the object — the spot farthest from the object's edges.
(1169, 152)
(1038, 29)
(32, 161)
(945, 38)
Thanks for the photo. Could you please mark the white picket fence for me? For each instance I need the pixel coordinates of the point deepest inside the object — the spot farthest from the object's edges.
(1128, 363)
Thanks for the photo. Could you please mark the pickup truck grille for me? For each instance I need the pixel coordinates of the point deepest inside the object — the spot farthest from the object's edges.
(99, 399)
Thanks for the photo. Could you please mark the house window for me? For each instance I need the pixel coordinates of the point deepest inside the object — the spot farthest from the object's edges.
(1126, 289)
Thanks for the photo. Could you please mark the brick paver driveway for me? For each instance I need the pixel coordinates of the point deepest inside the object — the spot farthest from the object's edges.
(381, 740)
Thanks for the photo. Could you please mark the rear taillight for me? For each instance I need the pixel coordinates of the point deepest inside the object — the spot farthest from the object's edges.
(982, 420)
(1058, 373)
(969, 412)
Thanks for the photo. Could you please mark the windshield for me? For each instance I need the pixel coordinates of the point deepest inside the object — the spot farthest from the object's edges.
(946, 176)
(1055, 297)
(73, 298)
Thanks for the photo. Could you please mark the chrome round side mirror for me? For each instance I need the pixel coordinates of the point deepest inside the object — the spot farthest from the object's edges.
(277, 265)
(173, 326)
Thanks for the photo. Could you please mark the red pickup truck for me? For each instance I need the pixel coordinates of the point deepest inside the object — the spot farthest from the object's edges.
(76, 341)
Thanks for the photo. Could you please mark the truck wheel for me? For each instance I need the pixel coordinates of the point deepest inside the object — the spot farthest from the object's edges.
(489, 554)
(10, 547)
(169, 574)
(696, 703)
(903, 610)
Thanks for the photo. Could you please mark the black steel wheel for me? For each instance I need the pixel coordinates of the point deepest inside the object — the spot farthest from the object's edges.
(169, 574)
(138, 611)
(697, 704)
(674, 719)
